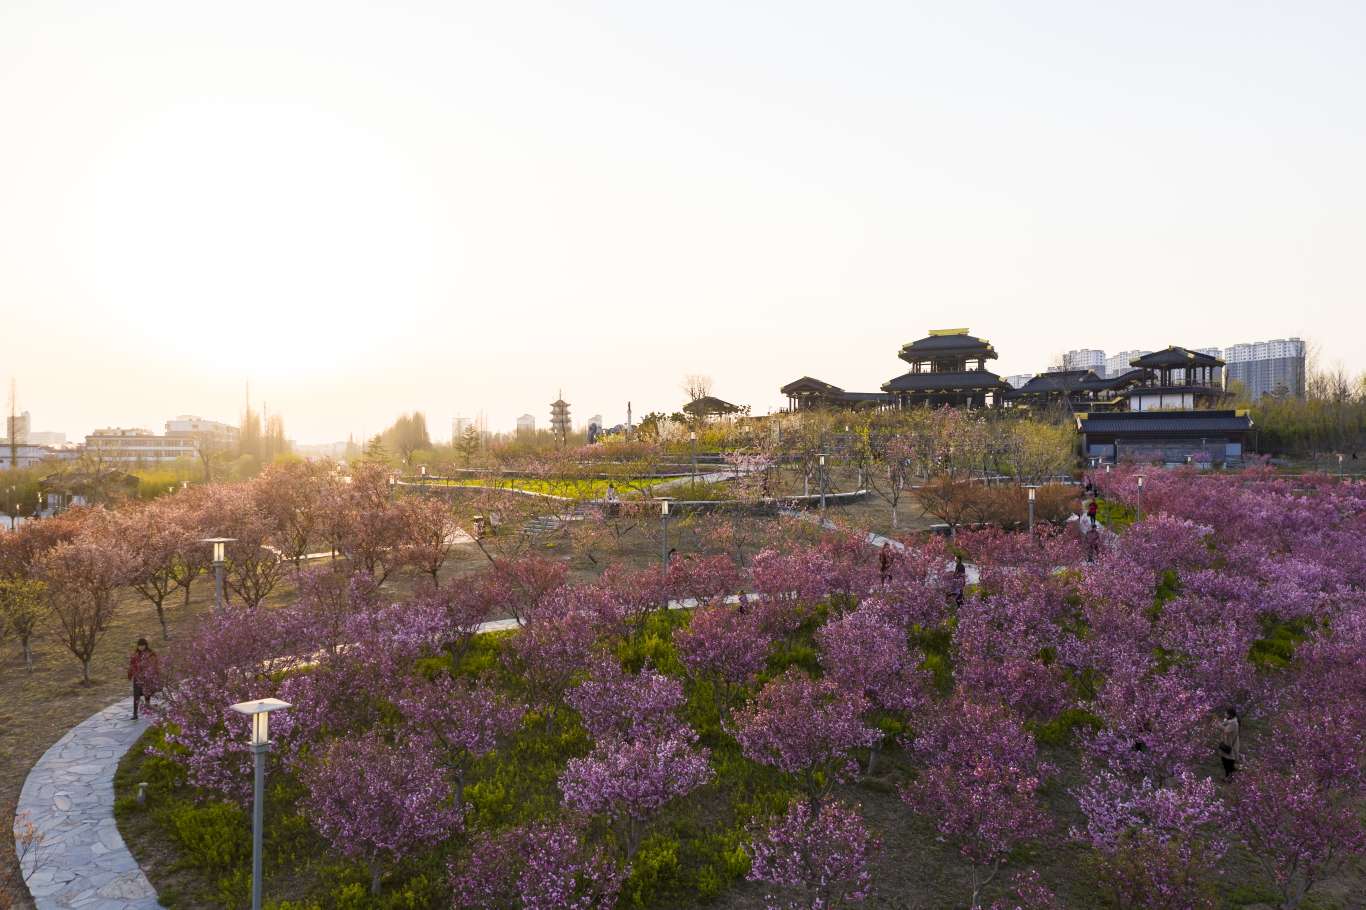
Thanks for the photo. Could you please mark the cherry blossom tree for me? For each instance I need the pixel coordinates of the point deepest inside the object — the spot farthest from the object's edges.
(81, 579)
(429, 533)
(378, 802)
(625, 705)
(814, 860)
(724, 647)
(464, 720)
(980, 783)
(807, 728)
(154, 535)
(1157, 846)
(630, 781)
(536, 867)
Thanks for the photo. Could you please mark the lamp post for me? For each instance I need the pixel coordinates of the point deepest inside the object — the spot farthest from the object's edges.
(664, 532)
(393, 485)
(259, 712)
(219, 561)
(1140, 498)
(692, 448)
(822, 484)
(1031, 508)
(1339, 466)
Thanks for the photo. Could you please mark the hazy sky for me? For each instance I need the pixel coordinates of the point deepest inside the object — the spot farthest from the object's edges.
(454, 206)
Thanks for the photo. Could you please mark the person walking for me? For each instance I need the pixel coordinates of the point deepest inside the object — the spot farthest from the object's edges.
(143, 669)
(1091, 509)
(1230, 747)
(960, 579)
(884, 562)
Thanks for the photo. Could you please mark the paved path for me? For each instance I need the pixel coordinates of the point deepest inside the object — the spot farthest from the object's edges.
(69, 796)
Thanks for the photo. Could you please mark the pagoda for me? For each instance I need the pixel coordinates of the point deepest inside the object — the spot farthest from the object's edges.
(948, 367)
(559, 418)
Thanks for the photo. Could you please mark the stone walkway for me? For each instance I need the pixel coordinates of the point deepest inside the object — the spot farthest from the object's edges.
(69, 796)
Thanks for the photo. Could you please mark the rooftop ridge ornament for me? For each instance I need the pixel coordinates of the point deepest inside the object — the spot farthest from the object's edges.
(934, 332)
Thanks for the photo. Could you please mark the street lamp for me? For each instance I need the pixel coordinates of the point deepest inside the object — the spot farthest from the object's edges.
(1032, 490)
(219, 560)
(393, 485)
(1140, 497)
(822, 484)
(259, 712)
(1339, 466)
(664, 528)
(692, 448)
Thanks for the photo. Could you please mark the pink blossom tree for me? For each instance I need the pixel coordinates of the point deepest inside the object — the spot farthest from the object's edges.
(537, 867)
(629, 782)
(814, 860)
(378, 802)
(627, 705)
(807, 728)
(980, 783)
(81, 579)
(1157, 846)
(725, 648)
(463, 720)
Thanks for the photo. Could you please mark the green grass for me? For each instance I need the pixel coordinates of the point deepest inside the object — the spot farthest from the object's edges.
(570, 488)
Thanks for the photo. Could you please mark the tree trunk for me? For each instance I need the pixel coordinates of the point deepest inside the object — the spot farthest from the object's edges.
(85, 671)
(28, 653)
(872, 757)
(894, 524)
(161, 618)
(375, 871)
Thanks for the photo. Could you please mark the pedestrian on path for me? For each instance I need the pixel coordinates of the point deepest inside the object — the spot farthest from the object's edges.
(1230, 747)
(1091, 510)
(960, 580)
(143, 669)
(885, 557)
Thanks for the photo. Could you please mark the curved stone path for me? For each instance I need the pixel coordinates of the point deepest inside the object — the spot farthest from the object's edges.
(82, 861)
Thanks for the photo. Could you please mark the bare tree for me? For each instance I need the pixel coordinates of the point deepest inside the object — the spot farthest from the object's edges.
(81, 579)
(696, 385)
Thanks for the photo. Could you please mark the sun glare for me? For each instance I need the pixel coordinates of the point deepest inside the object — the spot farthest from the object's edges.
(270, 239)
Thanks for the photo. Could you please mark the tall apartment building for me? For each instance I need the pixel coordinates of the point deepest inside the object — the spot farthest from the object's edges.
(1019, 379)
(1266, 367)
(526, 424)
(1085, 359)
(118, 444)
(1118, 364)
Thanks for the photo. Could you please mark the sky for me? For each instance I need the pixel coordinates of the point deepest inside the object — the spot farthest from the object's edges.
(364, 209)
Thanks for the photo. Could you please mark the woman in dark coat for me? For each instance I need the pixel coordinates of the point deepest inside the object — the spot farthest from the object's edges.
(143, 669)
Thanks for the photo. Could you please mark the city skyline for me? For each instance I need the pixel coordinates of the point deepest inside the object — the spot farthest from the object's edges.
(447, 206)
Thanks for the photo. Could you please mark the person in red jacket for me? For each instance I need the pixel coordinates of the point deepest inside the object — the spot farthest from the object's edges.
(142, 670)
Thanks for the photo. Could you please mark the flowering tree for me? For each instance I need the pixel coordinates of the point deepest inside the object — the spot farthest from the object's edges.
(627, 706)
(814, 860)
(980, 782)
(254, 565)
(377, 802)
(1156, 724)
(549, 652)
(724, 647)
(154, 536)
(521, 586)
(81, 578)
(807, 728)
(464, 720)
(429, 529)
(866, 654)
(537, 867)
(629, 782)
(1157, 846)
(1297, 808)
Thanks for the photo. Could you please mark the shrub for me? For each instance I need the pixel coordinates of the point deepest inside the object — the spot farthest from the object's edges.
(216, 835)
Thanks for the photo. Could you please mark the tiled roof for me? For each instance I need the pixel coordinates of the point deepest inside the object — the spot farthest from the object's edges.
(1165, 422)
(967, 379)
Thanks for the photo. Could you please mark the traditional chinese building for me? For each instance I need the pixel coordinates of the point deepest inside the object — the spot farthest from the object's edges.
(559, 418)
(1078, 390)
(1172, 415)
(948, 367)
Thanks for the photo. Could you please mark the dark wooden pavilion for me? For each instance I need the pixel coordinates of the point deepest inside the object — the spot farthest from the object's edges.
(948, 367)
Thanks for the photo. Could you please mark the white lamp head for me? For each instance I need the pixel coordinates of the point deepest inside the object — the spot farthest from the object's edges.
(1140, 481)
(664, 507)
(1031, 494)
(219, 546)
(259, 712)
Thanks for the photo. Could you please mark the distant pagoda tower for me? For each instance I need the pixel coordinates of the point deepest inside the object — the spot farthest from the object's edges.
(559, 417)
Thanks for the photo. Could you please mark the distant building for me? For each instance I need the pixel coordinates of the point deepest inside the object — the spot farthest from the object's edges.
(211, 432)
(17, 427)
(46, 438)
(1019, 379)
(1085, 359)
(28, 454)
(559, 417)
(1268, 367)
(133, 445)
(526, 424)
(1119, 364)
